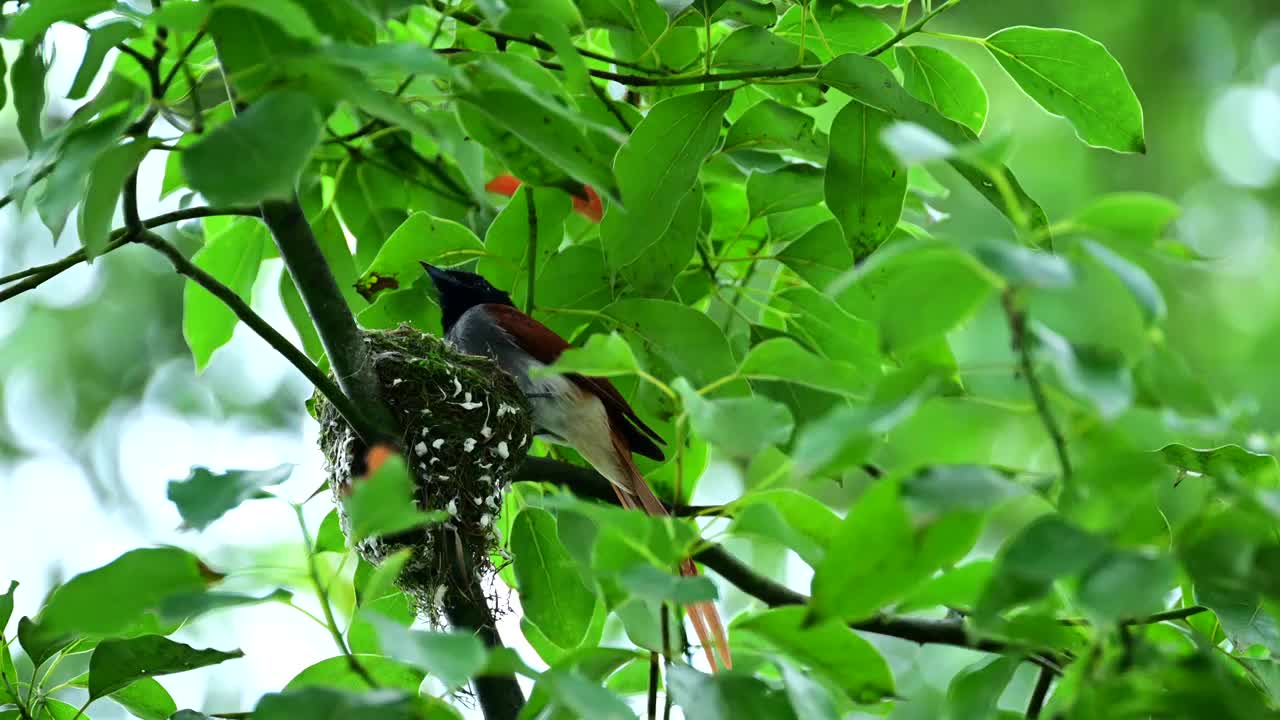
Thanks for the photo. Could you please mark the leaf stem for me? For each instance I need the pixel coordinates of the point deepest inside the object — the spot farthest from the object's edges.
(912, 29)
(313, 571)
(1017, 319)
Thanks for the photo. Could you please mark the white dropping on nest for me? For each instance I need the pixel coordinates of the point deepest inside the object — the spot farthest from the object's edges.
(504, 408)
(486, 520)
(420, 448)
(439, 442)
(487, 479)
(487, 432)
(469, 444)
(503, 452)
(396, 381)
(457, 386)
(438, 596)
(452, 507)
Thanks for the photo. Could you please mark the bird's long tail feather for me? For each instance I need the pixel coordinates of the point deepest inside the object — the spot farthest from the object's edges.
(704, 615)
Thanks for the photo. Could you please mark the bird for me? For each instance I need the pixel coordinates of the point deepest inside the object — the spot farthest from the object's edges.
(588, 414)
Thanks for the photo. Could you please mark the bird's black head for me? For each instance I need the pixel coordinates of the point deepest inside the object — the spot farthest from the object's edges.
(460, 291)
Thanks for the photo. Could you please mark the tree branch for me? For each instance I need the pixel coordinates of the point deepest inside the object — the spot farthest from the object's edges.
(1040, 694)
(343, 344)
(38, 275)
(475, 21)
(669, 81)
(912, 29)
(237, 305)
(587, 483)
(1018, 333)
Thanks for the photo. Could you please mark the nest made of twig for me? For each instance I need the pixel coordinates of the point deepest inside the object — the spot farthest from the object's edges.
(466, 430)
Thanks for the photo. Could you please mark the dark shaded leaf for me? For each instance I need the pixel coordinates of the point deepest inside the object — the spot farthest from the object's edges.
(116, 663)
(204, 496)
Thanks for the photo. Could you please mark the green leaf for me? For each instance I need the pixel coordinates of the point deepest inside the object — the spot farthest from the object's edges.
(1132, 216)
(830, 649)
(947, 488)
(976, 690)
(552, 591)
(180, 16)
(658, 166)
(1243, 613)
(788, 188)
(650, 270)
(330, 704)
(39, 643)
(31, 23)
(582, 697)
(147, 699)
(452, 657)
(870, 82)
(381, 582)
(384, 503)
(843, 437)
(106, 180)
(739, 426)
(819, 256)
(268, 161)
(1228, 462)
(784, 360)
(329, 537)
(865, 184)
(684, 339)
(286, 14)
(830, 331)
(835, 29)
(601, 356)
(754, 48)
(6, 605)
(771, 126)
(1022, 266)
(1074, 76)
(649, 583)
(204, 496)
(790, 517)
(1096, 374)
(420, 238)
(27, 77)
(959, 587)
(101, 40)
(1125, 585)
(136, 582)
(336, 672)
(938, 78)
(116, 663)
(871, 548)
(506, 243)
(233, 257)
(187, 606)
(1139, 283)
(1048, 548)
(726, 696)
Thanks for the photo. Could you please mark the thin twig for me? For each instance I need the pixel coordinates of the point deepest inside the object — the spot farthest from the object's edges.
(653, 685)
(476, 22)
(181, 62)
(313, 571)
(1040, 694)
(643, 81)
(40, 274)
(1018, 333)
(237, 305)
(914, 28)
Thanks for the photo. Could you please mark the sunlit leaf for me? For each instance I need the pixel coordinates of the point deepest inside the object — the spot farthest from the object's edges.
(116, 663)
(552, 591)
(205, 496)
(383, 503)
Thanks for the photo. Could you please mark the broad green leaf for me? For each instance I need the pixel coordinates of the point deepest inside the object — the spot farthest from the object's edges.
(682, 338)
(1139, 283)
(582, 697)
(232, 257)
(4, 87)
(819, 256)
(383, 503)
(324, 703)
(946, 488)
(828, 648)
(1095, 374)
(381, 582)
(40, 644)
(27, 77)
(865, 184)
(452, 657)
(658, 166)
(1245, 617)
(77, 154)
(870, 82)
(6, 605)
(421, 238)
(1228, 462)
(809, 698)
(204, 496)
(830, 331)
(649, 583)
(506, 243)
(146, 699)
(784, 360)
(601, 356)
(552, 591)
(106, 180)
(788, 188)
(773, 127)
(286, 14)
(39, 16)
(1048, 548)
(976, 690)
(650, 270)
(336, 672)
(739, 426)
(867, 556)
(754, 48)
(730, 695)
(268, 161)
(116, 663)
(958, 587)
(938, 78)
(329, 537)
(185, 16)
(101, 40)
(834, 29)
(1134, 216)
(1074, 76)
(790, 517)
(1125, 585)
(135, 582)
(184, 607)
(1022, 266)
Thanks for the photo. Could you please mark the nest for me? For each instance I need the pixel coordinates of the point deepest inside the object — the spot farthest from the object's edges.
(466, 430)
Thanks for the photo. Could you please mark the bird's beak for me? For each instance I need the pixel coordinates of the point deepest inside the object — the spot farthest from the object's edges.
(438, 276)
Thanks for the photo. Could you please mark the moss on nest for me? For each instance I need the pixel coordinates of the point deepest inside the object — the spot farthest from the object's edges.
(466, 430)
